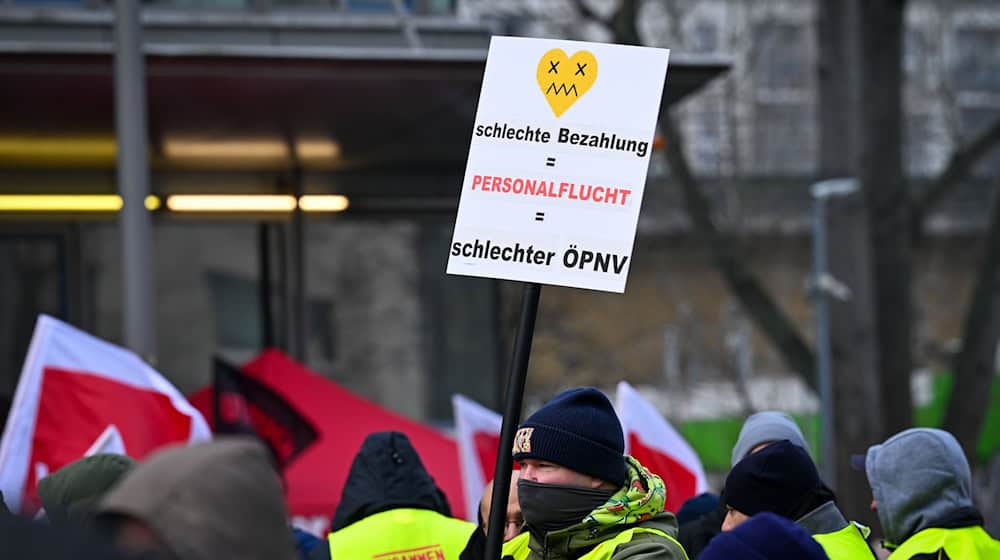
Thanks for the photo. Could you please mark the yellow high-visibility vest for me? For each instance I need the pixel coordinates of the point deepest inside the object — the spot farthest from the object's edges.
(518, 546)
(402, 534)
(967, 543)
(846, 544)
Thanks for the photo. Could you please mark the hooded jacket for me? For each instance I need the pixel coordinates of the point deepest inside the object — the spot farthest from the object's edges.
(637, 505)
(387, 474)
(921, 481)
(217, 500)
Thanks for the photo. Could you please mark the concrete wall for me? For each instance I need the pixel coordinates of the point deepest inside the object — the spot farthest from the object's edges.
(362, 284)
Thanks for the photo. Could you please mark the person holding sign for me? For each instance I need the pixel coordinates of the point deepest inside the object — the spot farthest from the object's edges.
(580, 496)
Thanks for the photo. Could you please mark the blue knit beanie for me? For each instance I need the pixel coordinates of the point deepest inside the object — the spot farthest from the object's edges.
(694, 508)
(764, 536)
(577, 429)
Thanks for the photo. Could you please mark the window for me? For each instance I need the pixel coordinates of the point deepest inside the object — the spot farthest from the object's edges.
(976, 75)
(784, 134)
(236, 311)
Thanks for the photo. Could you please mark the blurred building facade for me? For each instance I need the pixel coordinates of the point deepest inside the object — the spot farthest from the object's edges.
(369, 100)
(374, 100)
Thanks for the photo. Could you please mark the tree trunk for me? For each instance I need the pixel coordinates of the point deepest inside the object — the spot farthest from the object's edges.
(881, 175)
(856, 393)
(757, 303)
(975, 365)
(854, 349)
(625, 23)
(839, 88)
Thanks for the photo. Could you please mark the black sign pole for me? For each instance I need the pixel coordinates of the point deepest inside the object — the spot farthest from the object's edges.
(511, 418)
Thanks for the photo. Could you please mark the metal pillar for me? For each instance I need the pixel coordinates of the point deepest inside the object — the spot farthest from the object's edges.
(264, 294)
(824, 286)
(297, 315)
(135, 227)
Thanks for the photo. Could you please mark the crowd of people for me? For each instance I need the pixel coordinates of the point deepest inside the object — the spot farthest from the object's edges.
(575, 496)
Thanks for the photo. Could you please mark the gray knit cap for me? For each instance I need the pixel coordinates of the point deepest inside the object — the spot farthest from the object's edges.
(763, 427)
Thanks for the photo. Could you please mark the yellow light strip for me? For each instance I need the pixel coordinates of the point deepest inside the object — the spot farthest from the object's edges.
(55, 150)
(318, 149)
(323, 203)
(231, 203)
(226, 150)
(175, 203)
(68, 202)
(60, 203)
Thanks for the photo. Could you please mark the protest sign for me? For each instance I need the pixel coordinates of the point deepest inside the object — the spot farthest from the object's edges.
(558, 161)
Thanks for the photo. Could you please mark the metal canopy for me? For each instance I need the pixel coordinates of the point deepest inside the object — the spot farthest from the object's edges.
(234, 97)
(379, 111)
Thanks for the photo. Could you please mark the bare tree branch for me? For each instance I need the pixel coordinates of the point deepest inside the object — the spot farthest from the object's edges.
(589, 13)
(958, 168)
(757, 303)
(624, 23)
(974, 364)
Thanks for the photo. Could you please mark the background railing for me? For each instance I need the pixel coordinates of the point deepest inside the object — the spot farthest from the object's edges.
(418, 7)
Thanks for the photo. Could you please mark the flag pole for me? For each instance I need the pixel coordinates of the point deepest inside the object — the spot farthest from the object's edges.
(511, 418)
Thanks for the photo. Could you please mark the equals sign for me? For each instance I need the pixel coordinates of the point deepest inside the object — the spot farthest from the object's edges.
(539, 216)
(550, 162)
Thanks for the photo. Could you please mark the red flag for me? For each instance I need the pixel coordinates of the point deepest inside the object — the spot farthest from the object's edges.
(657, 445)
(77, 394)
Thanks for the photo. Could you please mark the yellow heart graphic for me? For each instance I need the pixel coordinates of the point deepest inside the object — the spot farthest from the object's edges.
(564, 79)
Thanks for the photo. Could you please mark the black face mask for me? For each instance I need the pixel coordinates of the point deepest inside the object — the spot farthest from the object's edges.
(551, 507)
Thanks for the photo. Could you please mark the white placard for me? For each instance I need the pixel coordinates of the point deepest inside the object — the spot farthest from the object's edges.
(558, 162)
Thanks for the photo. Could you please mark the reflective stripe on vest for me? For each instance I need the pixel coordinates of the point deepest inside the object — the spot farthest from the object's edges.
(967, 543)
(518, 546)
(402, 534)
(846, 544)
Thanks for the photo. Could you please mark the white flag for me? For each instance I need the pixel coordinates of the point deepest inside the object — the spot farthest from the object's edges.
(659, 447)
(478, 433)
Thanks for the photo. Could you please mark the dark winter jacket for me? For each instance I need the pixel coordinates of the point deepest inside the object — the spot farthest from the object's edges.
(696, 535)
(762, 427)
(305, 542)
(21, 539)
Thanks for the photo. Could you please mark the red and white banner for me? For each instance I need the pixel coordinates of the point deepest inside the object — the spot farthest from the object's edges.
(659, 447)
(477, 430)
(80, 394)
